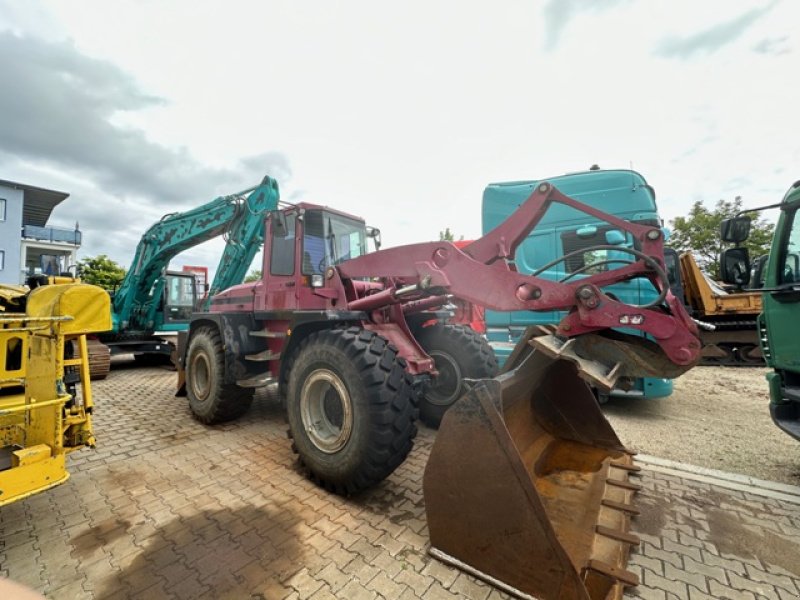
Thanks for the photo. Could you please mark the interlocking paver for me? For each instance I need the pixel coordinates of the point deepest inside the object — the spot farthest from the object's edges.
(166, 507)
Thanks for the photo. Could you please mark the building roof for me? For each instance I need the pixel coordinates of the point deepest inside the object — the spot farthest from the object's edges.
(38, 202)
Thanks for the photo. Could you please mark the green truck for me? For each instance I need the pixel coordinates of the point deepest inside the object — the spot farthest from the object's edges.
(779, 321)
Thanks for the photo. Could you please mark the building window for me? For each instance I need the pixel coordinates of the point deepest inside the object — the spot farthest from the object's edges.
(2, 209)
(2, 259)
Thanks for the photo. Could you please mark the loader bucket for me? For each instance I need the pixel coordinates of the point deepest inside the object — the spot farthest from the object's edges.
(527, 486)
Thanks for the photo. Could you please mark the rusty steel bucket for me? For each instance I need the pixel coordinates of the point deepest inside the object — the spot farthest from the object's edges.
(527, 486)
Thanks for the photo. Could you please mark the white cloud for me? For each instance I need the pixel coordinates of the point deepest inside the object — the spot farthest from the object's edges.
(403, 112)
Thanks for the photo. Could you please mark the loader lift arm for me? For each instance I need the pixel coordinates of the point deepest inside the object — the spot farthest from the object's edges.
(426, 275)
(238, 217)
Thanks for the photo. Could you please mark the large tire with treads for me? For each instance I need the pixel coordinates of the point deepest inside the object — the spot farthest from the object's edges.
(99, 359)
(351, 408)
(458, 352)
(210, 399)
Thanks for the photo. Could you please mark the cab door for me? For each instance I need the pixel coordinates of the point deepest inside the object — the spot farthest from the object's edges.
(781, 304)
(279, 277)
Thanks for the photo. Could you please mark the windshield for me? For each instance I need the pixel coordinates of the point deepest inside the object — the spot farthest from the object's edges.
(180, 290)
(330, 239)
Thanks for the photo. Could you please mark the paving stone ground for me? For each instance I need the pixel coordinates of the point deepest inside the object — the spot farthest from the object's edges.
(168, 508)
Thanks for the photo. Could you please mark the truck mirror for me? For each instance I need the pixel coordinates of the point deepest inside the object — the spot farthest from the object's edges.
(587, 231)
(279, 229)
(615, 237)
(734, 266)
(735, 230)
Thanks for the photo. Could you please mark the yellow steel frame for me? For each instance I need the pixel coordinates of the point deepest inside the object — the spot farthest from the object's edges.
(40, 421)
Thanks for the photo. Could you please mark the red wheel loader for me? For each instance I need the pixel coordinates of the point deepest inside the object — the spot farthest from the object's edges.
(527, 484)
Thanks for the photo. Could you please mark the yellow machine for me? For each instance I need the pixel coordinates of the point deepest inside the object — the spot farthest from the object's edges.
(43, 356)
(12, 300)
(734, 338)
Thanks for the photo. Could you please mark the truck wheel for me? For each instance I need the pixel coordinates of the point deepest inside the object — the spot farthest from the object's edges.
(351, 408)
(210, 400)
(458, 352)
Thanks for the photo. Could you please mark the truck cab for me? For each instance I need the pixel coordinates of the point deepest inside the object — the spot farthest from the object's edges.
(564, 230)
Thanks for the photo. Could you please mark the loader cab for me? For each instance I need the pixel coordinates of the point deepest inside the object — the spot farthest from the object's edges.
(303, 242)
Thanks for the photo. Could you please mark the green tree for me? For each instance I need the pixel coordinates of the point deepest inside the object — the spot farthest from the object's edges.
(698, 233)
(447, 236)
(253, 275)
(101, 271)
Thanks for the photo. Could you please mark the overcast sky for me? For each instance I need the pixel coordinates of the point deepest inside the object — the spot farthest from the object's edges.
(400, 112)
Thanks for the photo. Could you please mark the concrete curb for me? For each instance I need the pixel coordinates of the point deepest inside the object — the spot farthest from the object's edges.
(731, 481)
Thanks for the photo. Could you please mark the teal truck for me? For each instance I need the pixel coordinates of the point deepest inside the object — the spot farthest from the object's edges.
(779, 321)
(563, 233)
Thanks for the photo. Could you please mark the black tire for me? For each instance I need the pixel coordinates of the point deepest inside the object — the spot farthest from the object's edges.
(351, 408)
(458, 352)
(210, 400)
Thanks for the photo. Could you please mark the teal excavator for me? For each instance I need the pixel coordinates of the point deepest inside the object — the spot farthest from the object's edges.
(153, 302)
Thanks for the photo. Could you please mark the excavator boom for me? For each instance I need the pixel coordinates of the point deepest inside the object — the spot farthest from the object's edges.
(239, 217)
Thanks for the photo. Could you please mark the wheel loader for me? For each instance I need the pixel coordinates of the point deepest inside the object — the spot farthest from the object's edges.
(527, 485)
(43, 357)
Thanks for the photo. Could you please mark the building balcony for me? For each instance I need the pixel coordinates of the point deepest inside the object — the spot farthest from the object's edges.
(52, 234)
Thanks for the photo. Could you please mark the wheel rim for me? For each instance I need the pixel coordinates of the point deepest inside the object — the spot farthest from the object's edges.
(326, 411)
(201, 379)
(445, 389)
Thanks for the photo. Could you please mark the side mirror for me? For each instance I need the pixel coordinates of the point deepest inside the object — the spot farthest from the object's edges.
(615, 237)
(734, 266)
(279, 229)
(735, 230)
(375, 234)
(587, 231)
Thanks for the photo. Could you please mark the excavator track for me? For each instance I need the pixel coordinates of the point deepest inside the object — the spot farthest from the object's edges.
(99, 359)
(731, 344)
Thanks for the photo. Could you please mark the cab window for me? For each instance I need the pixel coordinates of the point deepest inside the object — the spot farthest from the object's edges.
(281, 256)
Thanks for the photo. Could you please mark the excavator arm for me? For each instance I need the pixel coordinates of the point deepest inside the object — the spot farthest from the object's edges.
(238, 217)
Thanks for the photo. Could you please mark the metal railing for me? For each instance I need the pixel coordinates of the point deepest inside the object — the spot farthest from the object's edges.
(52, 234)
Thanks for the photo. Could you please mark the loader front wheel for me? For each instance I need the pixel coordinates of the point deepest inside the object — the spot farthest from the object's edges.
(210, 400)
(458, 353)
(351, 408)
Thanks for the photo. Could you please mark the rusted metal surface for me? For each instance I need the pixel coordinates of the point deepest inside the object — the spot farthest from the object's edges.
(534, 505)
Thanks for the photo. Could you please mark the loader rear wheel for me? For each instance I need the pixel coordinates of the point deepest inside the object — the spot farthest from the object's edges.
(211, 400)
(351, 408)
(458, 352)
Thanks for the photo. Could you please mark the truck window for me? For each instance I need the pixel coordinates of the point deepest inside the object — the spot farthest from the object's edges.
(281, 260)
(789, 268)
